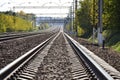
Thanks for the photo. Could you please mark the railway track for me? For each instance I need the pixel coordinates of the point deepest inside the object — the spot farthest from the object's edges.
(14, 36)
(6, 37)
(59, 58)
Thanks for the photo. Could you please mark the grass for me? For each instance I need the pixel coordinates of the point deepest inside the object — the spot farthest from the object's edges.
(112, 38)
(116, 47)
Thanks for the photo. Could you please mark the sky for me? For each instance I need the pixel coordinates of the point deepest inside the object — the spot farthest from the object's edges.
(6, 5)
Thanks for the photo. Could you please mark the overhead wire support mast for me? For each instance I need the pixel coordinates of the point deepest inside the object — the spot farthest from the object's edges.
(75, 18)
(73, 12)
(100, 14)
(100, 10)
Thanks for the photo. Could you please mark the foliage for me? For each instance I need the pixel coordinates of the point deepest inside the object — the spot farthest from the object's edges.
(80, 31)
(111, 21)
(10, 23)
(86, 18)
(83, 18)
(87, 12)
(117, 47)
(43, 26)
(68, 27)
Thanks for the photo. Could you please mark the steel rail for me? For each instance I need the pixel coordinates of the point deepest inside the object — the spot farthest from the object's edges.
(19, 35)
(17, 64)
(8, 37)
(16, 34)
(100, 73)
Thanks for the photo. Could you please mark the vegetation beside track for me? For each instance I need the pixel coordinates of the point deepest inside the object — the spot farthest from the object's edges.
(9, 23)
(86, 19)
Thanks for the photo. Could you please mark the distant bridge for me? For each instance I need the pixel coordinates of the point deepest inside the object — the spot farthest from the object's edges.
(50, 20)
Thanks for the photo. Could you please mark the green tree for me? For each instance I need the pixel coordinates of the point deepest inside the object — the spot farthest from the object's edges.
(83, 18)
(7, 23)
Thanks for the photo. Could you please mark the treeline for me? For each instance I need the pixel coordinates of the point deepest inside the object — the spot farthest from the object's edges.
(83, 19)
(15, 22)
(43, 26)
(86, 19)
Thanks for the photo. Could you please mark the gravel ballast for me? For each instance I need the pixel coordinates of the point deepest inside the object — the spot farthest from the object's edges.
(56, 65)
(12, 49)
(107, 54)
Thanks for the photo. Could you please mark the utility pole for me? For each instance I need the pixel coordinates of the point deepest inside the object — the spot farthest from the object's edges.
(75, 17)
(99, 29)
(73, 12)
(71, 29)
